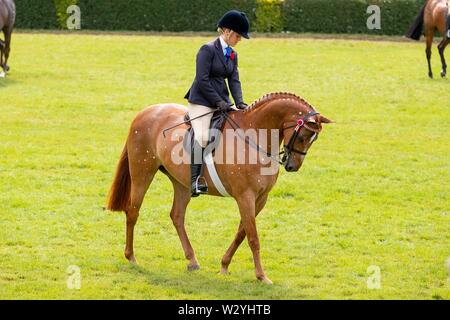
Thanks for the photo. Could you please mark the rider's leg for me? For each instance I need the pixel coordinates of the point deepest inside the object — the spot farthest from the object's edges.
(201, 129)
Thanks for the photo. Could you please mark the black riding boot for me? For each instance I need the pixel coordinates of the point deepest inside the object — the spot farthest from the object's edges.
(198, 183)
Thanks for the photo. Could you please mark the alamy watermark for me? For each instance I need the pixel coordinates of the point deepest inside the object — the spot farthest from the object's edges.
(74, 19)
(374, 279)
(247, 147)
(74, 278)
(374, 21)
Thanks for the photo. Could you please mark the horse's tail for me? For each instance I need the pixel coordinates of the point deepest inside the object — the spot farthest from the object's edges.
(415, 30)
(119, 195)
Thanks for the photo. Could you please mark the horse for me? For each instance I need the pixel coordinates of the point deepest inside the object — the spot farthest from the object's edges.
(433, 16)
(7, 20)
(283, 116)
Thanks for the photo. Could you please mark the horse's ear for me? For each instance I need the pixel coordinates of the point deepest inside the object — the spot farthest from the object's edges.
(325, 120)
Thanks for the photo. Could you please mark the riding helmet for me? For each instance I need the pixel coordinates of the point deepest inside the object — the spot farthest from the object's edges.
(236, 21)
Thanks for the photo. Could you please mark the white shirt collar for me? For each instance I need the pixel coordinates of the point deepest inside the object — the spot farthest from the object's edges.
(223, 44)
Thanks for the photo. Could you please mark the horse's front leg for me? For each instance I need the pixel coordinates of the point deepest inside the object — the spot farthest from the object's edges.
(240, 235)
(247, 209)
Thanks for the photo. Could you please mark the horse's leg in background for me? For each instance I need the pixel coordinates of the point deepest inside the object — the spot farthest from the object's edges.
(2, 48)
(8, 33)
(240, 236)
(247, 209)
(429, 36)
(441, 48)
(140, 181)
(181, 198)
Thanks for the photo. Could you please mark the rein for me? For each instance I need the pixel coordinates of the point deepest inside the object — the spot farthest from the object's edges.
(288, 149)
(286, 152)
(251, 143)
(186, 121)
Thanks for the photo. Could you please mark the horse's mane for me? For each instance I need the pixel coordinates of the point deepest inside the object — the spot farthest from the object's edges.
(275, 96)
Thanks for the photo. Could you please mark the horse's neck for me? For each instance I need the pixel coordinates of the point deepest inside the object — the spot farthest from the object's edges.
(274, 114)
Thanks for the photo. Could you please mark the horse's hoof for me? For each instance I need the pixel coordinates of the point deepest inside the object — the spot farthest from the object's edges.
(193, 267)
(443, 74)
(224, 271)
(430, 75)
(265, 280)
(131, 259)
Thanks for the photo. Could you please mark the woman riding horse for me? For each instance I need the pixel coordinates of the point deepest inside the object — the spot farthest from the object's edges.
(216, 61)
(282, 116)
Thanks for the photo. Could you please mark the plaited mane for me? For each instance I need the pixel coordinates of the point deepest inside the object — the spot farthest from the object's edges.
(274, 96)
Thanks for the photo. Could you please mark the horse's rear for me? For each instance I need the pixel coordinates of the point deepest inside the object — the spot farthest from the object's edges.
(432, 17)
(147, 151)
(144, 154)
(435, 17)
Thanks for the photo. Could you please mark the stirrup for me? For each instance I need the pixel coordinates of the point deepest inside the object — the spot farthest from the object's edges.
(199, 189)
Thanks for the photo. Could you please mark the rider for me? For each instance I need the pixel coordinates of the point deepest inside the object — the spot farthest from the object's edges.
(216, 61)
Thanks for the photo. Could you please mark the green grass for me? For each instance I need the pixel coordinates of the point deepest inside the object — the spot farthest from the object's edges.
(374, 189)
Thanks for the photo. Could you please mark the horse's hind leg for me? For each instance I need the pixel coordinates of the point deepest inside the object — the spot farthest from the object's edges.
(140, 181)
(428, 52)
(2, 48)
(181, 198)
(441, 48)
(7, 48)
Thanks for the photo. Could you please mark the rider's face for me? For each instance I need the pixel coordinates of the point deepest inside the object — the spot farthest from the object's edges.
(232, 38)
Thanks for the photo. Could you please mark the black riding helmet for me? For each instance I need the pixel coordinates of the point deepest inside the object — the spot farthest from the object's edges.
(236, 21)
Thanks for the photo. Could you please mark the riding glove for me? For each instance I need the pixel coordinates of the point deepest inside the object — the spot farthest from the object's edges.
(223, 106)
(242, 106)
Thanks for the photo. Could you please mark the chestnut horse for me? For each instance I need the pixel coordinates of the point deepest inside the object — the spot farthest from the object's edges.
(433, 16)
(284, 116)
(7, 19)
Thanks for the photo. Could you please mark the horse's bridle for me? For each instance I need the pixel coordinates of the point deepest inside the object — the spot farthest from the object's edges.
(289, 148)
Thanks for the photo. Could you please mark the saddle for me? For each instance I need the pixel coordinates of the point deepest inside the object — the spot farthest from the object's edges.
(217, 123)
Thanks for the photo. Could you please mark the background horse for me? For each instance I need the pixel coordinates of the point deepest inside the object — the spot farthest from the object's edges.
(147, 150)
(7, 19)
(432, 17)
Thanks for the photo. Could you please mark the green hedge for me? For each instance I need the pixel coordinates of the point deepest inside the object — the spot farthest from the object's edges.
(320, 16)
(268, 16)
(36, 14)
(61, 11)
(348, 16)
(158, 15)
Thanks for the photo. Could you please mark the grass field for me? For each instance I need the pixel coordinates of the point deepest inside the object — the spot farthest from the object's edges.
(373, 191)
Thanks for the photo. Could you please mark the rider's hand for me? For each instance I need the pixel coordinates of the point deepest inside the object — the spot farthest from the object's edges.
(242, 106)
(223, 106)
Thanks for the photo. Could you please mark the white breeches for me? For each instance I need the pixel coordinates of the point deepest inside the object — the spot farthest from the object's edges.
(200, 125)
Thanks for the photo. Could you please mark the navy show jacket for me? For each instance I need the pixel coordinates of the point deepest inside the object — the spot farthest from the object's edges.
(209, 86)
